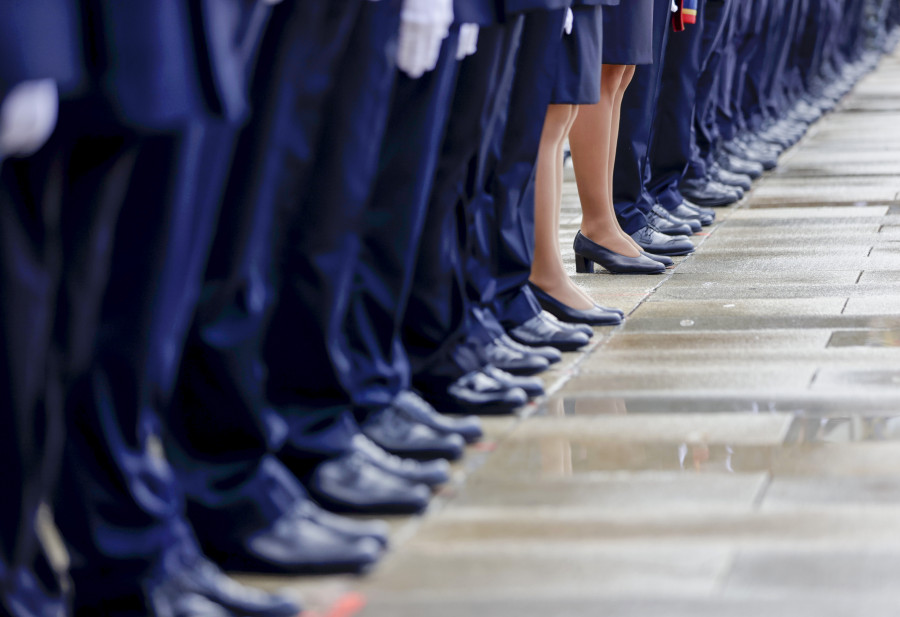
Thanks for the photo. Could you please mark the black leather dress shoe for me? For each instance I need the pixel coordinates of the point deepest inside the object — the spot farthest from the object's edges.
(595, 316)
(702, 212)
(477, 393)
(538, 331)
(200, 583)
(739, 165)
(515, 362)
(690, 221)
(764, 158)
(653, 241)
(588, 252)
(667, 226)
(578, 327)
(305, 540)
(397, 434)
(684, 210)
(351, 483)
(431, 473)
(531, 385)
(550, 354)
(708, 194)
(418, 409)
(729, 178)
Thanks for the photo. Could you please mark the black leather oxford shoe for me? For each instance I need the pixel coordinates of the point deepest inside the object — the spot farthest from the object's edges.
(515, 361)
(653, 241)
(690, 221)
(709, 194)
(418, 409)
(398, 434)
(477, 393)
(431, 472)
(531, 385)
(305, 540)
(350, 483)
(550, 354)
(540, 331)
(667, 226)
(706, 217)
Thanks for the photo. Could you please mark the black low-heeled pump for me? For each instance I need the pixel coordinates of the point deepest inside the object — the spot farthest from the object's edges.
(596, 316)
(588, 252)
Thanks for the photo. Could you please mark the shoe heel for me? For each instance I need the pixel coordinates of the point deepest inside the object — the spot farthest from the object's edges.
(583, 265)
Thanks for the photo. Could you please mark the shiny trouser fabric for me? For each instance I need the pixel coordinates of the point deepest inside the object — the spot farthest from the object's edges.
(434, 324)
(632, 166)
(392, 227)
(121, 322)
(318, 243)
(715, 19)
(670, 150)
(222, 428)
(507, 181)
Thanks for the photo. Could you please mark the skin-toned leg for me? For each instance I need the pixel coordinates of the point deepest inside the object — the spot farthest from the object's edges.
(593, 143)
(547, 270)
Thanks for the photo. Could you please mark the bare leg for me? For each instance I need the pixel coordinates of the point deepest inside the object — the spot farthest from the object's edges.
(547, 270)
(593, 140)
(627, 76)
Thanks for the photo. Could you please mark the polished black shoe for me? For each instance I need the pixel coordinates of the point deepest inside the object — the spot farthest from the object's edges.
(531, 385)
(397, 434)
(550, 354)
(704, 218)
(351, 483)
(477, 393)
(738, 165)
(718, 186)
(690, 221)
(764, 158)
(703, 211)
(588, 252)
(653, 241)
(578, 327)
(197, 579)
(662, 259)
(667, 226)
(418, 409)
(305, 540)
(539, 331)
(432, 473)
(595, 316)
(708, 194)
(515, 362)
(729, 178)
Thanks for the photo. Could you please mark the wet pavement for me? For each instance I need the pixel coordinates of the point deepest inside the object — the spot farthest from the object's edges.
(733, 449)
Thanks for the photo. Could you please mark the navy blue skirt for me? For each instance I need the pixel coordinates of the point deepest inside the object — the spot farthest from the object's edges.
(628, 33)
(580, 57)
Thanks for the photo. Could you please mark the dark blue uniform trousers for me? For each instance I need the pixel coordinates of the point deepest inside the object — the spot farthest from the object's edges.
(222, 426)
(671, 147)
(437, 308)
(631, 172)
(306, 348)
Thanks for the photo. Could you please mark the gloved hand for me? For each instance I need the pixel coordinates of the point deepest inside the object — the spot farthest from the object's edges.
(423, 26)
(468, 40)
(570, 21)
(27, 117)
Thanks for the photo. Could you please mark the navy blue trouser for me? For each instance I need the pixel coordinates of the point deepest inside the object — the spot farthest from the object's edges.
(221, 425)
(507, 178)
(392, 227)
(435, 320)
(703, 136)
(632, 166)
(670, 150)
(306, 347)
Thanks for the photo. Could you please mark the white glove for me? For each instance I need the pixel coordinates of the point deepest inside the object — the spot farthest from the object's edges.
(468, 40)
(424, 24)
(28, 116)
(674, 6)
(570, 21)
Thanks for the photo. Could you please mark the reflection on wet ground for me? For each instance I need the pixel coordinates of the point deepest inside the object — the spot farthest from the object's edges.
(732, 450)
